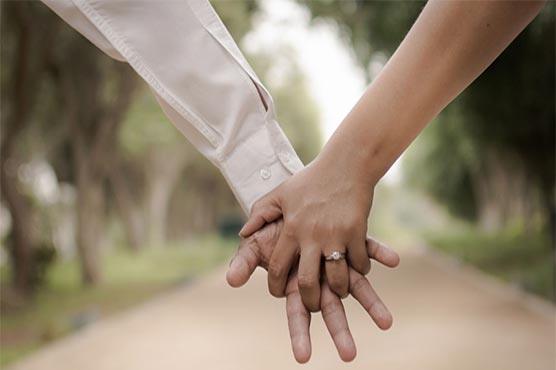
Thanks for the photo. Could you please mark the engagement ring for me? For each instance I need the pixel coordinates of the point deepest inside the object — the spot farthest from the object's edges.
(335, 256)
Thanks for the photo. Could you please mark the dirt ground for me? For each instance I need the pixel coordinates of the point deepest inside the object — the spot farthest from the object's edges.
(446, 317)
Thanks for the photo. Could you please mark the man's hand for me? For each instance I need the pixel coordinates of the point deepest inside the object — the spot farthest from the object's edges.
(256, 251)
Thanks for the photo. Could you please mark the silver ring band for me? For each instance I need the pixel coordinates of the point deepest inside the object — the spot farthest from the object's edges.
(335, 256)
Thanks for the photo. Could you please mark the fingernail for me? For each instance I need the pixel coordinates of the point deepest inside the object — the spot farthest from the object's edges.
(240, 234)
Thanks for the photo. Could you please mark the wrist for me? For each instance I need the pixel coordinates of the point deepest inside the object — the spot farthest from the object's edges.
(347, 162)
(354, 157)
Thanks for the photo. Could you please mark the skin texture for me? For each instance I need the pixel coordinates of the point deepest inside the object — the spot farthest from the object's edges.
(257, 250)
(326, 205)
(341, 225)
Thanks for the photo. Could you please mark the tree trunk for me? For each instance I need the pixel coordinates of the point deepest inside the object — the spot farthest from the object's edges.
(21, 78)
(160, 186)
(94, 119)
(21, 240)
(503, 194)
(90, 212)
(129, 212)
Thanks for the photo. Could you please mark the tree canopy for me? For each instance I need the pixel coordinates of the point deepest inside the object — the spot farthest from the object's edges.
(490, 154)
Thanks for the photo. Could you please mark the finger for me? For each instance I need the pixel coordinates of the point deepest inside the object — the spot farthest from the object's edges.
(309, 278)
(364, 293)
(335, 319)
(243, 263)
(265, 240)
(337, 273)
(299, 320)
(382, 253)
(357, 255)
(264, 211)
(280, 264)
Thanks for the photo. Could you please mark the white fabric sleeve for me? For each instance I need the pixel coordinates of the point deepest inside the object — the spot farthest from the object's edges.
(201, 80)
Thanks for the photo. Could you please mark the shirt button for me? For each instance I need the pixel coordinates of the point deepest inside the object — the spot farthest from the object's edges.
(285, 157)
(265, 173)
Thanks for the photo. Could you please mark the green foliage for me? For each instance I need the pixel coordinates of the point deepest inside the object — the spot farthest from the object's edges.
(525, 259)
(508, 111)
(369, 26)
(44, 257)
(512, 105)
(148, 139)
(296, 110)
(236, 15)
(146, 127)
(440, 160)
(63, 305)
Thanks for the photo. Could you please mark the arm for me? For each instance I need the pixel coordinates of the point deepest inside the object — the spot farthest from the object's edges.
(449, 46)
(200, 78)
(325, 207)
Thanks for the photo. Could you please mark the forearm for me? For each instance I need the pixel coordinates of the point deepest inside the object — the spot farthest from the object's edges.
(450, 44)
(190, 62)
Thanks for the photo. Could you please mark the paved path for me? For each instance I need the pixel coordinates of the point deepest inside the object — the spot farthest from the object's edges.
(447, 317)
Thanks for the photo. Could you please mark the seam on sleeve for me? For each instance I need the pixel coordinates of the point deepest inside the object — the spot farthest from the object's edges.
(136, 62)
(249, 77)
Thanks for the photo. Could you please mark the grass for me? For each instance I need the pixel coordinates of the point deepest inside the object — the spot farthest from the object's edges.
(405, 217)
(64, 305)
(525, 259)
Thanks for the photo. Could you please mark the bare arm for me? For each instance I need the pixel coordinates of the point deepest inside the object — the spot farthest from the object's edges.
(449, 46)
(326, 205)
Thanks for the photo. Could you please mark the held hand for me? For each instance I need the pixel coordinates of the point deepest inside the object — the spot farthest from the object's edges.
(256, 251)
(325, 210)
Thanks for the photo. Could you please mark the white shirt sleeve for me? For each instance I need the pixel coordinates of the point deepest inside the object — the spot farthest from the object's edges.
(201, 80)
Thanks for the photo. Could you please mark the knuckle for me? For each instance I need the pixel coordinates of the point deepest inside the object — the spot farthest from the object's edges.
(338, 287)
(315, 227)
(329, 307)
(366, 266)
(344, 225)
(258, 206)
(289, 228)
(259, 238)
(322, 232)
(312, 306)
(291, 288)
(362, 266)
(353, 223)
(306, 281)
(358, 283)
(267, 236)
(349, 227)
(276, 270)
(275, 292)
(295, 310)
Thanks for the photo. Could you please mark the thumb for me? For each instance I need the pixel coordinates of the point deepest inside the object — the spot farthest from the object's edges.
(265, 210)
(244, 263)
(252, 252)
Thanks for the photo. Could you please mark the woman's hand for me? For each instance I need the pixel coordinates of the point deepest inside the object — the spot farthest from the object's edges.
(325, 210)
(257, 250)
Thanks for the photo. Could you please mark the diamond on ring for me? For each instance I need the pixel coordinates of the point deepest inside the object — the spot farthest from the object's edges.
(335, 256)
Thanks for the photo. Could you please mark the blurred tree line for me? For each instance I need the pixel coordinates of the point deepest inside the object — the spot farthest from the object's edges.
(490, 154)
(85, 148)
